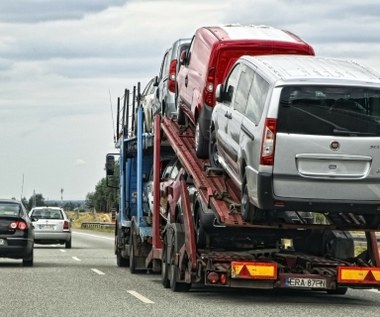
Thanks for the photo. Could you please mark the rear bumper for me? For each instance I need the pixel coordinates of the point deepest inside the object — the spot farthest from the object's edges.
(268, 201)
(51, 237)
(16, 248)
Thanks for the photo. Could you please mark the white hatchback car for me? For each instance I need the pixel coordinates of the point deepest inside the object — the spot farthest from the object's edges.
(51, 226)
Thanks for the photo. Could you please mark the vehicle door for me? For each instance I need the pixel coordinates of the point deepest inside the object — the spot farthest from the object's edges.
(222, 114)
(163, 79)
(236, 116)
(183, 76)
(251, 131)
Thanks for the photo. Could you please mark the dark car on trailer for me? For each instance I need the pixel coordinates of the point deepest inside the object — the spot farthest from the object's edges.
(16, 232)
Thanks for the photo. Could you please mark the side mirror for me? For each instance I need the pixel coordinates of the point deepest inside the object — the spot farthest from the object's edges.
(110, 165)
(155, 82)
(219, 93)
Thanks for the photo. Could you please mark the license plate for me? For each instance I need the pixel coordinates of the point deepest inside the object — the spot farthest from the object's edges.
(2, 242)
(47, 227)
(305, 282)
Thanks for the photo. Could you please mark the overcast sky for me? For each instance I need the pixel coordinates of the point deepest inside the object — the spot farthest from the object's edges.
(60, 60)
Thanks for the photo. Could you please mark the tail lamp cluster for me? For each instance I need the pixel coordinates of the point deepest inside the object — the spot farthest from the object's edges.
(18, 225)
(172, 75)
(267, 148)
(217, 278)
(66, 225)
(209, 96)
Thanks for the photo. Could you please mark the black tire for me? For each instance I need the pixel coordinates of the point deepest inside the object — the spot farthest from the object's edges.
(201, 143)
(132, 259)
(249, 212)
(338, 291)
(178, 239)
(68, 244)
(213, 151)
(200, 234)
(181, 119)
(29, 260)
(165, 264)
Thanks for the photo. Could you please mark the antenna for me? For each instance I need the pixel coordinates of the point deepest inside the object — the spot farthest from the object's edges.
(22, 187)
(113, 122)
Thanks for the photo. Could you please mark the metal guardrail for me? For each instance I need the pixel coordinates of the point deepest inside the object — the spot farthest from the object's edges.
(97, 225)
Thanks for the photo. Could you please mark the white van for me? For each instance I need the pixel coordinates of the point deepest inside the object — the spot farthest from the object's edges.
(301, 133)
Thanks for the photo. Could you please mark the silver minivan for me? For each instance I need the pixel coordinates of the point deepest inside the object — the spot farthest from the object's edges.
(167, 78)
(301, 133)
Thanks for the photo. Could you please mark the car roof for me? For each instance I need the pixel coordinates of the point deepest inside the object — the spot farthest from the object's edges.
(10, 201)
(293, 68)
(47, 207)
(252, 32)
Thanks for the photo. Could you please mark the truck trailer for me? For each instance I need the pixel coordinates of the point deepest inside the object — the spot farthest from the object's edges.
(192, 232)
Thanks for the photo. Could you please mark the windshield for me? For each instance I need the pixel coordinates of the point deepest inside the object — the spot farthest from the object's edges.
(330, 110)
(9, 210)
(47, 214)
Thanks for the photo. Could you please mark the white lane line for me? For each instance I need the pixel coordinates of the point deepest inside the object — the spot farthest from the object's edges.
(94, 236)
(98, 271)
(62, 250)
(141, 297)
(76, 259)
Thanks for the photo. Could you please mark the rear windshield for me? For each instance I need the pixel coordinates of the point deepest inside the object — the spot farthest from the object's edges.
(329, 110)
(47, 214)
(9, 210)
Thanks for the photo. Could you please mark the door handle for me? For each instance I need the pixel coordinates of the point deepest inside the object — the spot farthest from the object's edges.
(228, 115)
(186, 80)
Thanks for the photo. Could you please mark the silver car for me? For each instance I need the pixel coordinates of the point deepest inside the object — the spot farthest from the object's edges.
(51, 226)
(167, 79)
(301, 133)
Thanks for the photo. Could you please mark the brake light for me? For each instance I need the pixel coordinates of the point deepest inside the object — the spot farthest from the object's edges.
(21, 225)
(172, 75)
(269, 136)
(66, 225)
(209, 97)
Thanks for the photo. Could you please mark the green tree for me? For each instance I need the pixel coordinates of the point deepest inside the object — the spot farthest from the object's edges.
(36, 200)
(106, 196)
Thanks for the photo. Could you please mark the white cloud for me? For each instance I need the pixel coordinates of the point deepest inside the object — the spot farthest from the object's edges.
(58, 65)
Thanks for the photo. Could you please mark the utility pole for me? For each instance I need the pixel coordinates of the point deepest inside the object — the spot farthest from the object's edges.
(61, 197)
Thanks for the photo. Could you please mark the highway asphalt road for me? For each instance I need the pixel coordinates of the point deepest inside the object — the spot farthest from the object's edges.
(85, 281)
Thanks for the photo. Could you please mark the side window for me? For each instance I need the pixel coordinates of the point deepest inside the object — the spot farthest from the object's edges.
(256, 98)
(242, 90)
(188, 57)
(164, 67)
(231, 83)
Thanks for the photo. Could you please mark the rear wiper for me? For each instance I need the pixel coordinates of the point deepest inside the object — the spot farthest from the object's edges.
(349, 132)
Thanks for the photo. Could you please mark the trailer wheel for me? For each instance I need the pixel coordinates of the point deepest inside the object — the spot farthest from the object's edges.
(165, 263)
(200, 234)
(132, 259)
(177, 241)
(338, 291)
(120, 261)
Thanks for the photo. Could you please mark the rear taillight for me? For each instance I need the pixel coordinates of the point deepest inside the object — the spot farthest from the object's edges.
(269, 136)
(20, 225)
(209, 97)
(66, 225)
(172, 75)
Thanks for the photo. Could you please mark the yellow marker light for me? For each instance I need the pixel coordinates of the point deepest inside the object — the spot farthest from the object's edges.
(254, 270)
(359, 275)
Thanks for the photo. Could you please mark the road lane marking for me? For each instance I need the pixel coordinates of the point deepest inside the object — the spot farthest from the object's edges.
(98, 271)
(141, 297)
(62, 250)
(94, 236)
(76, 259)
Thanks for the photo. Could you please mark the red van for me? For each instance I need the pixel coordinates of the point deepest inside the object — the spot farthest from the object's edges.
(213, 50)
